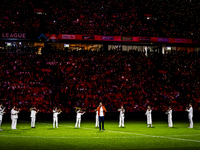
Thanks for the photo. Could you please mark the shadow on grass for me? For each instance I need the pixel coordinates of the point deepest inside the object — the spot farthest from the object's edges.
(11, 132)
(196, 128)
(122, 127)
(51, 129)
(6, 130)
(25, 129)
(174, 127)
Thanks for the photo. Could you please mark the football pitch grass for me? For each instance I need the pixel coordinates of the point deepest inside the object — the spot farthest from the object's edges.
(135, 135)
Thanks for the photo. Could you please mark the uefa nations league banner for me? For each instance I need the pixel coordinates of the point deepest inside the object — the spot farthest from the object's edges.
(14, 35)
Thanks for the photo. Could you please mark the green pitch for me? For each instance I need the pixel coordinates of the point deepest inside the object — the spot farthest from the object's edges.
(135, 135)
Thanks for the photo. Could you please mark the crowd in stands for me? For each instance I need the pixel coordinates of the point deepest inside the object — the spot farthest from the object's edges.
(83, 79)
(19, 49)
(156, 18)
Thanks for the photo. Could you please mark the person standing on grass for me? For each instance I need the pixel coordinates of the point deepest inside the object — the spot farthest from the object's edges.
(14, 117)
(1, 114)
(97, 119)
(149, 118)
(101, 113)
(55, 117)
(34, 111)
(121, 116)
(78, 118)
(169, 112)
(190, 115)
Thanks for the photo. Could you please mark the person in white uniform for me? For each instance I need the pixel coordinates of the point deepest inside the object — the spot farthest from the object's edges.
(190, 115)
(149, 118)
(14, 117)
(1, 114)
(169, 112)
(55, 117)
(121, 116)
(78, 118)
(34, 111)
(97, 119)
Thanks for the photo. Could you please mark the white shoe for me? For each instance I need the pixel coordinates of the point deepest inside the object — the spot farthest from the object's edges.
(1, 130)
(151, 125)
(148, 126)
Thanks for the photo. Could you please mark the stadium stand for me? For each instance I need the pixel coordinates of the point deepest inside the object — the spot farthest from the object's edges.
(157, 18)
(83, 78)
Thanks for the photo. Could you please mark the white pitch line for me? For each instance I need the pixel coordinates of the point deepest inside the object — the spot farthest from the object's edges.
(151, 135)
(66, 137)
(164, 137)
(185, 135)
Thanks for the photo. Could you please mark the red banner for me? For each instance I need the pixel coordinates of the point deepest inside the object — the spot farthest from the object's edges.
(98, 37)
(154, 39)
(178, 40)
(189, 41)
(111, 38)
(66, 37)
(53, 37)
(136, 39)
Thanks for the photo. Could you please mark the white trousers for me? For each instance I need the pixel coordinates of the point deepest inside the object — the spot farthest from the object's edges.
(121, 121)
(33, 121)
(14, 124)
(170, 123)
(55, 122)
(78, 122)
(149, 119)
(0, 123)
(97, 121)
(191, 122)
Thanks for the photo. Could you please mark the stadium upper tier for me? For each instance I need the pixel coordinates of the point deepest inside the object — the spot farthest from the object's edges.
(158, 18)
